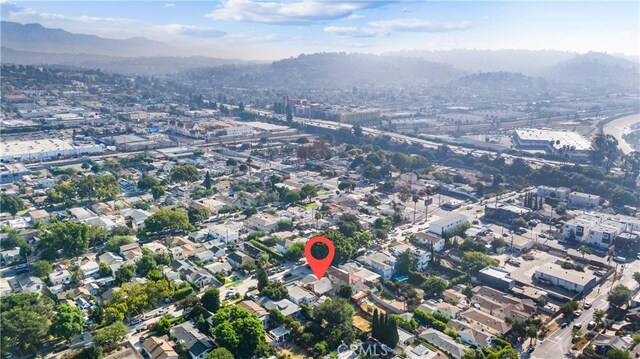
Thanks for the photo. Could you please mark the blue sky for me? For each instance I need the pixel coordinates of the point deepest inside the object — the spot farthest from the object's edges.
(256, 29)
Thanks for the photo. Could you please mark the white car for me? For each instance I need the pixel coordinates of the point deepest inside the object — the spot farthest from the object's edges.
(587, 305)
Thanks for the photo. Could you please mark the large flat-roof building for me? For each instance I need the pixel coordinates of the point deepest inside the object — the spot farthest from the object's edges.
(554, 141)
(44, 149)
(568, 279)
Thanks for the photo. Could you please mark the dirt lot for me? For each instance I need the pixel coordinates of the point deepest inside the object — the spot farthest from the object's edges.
(361, 323)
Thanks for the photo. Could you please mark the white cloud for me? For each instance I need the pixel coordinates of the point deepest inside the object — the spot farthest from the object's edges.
(352, 31)
(169, 5)
(418, 25)
(303, 12)
(388, 27)
(354, 17)
(189, 30)
(12, 11)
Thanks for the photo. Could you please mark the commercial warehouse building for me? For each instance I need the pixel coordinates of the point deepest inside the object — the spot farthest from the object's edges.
(44, 149)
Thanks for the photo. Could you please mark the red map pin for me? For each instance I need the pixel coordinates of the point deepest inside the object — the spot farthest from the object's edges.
(319, 266)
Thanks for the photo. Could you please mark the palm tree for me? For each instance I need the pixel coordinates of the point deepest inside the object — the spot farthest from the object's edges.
(415, 198)
(598, 315)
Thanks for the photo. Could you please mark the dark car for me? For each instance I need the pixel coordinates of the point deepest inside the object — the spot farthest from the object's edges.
(287, 275)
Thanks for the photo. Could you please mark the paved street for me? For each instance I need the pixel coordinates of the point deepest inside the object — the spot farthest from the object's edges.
(559, 342)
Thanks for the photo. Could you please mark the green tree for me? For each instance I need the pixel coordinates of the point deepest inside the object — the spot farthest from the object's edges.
(405, 263)
(113, 244)
(41, 269)
(434, 286)
(239, 331)
(25, 319)
(291, 196)
(275, 290)
(163, 325)
(111, 334)
(207, 181)
(104, 270)
(619, 295)
(308, 191)
(145, 264)
(474, 261)
(148, 182)
(598, 315)
(198, 214)
(345, 291)
(68, 321)
(167, 220)
(157, 192)
(614, 353)
(69, 237)
(337, 316)
(568, 308)
(211, 299)
(125, 273)
(295, 252)
(219, 353)
(285, 225)
(11, 204)
(184, 173)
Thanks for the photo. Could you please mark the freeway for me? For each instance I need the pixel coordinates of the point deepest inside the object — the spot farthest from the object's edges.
(536, 162)
(559, 342)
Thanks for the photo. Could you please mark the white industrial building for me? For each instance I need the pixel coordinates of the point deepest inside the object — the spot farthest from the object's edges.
(44, 149)
(583, 200)
(565, 278)
(560, 193)
(558, 142)
(448, 223)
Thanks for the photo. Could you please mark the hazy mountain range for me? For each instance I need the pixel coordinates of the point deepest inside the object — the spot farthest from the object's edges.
(34, 44)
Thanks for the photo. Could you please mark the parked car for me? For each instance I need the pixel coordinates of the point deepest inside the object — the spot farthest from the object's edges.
(577, 326)
(578, 313)
(591, 325)
(287, 275)
(135, 321)
(587, 305)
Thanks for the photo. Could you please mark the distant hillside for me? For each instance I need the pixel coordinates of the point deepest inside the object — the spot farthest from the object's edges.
(123, 65)
(37, 38)
(529, 62)
(596, 70)
(487, 82)
(333, 70)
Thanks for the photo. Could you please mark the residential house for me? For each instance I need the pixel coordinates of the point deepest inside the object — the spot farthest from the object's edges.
(300, 295)
(451, 311)
(381, 263)
(284, 306)
(59, 277)
(430, 240)
(444, 343)
(39, 215)
(24, 283)
(225, 232)
(256, 309)
(237, 259)
(131, 251)
(492, 324)
(197, 344)
(421, 258)
(471, 334)
(157, 348)
(10, 255)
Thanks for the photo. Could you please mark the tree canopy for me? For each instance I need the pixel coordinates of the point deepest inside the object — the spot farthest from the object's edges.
(67, 322)
(26, 319)
(239, 331)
